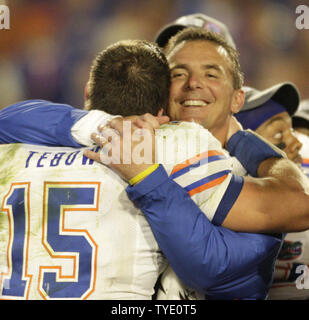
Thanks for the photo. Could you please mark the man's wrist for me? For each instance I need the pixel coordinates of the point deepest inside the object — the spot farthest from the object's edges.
(142, 175)
(251, 149)
(82, 129)
(152, 181)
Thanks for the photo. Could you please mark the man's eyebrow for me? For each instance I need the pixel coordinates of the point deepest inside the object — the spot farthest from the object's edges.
(212, 66)
(275, 119)
(205, 66)
(278, 119)
(178, 66)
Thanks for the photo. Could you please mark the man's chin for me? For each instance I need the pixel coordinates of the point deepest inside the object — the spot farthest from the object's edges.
(298, 160)
(191, 119)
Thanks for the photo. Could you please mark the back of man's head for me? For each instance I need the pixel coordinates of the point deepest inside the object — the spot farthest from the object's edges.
(129, 77)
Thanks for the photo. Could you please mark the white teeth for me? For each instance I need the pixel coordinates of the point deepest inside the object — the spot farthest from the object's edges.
(194, 103)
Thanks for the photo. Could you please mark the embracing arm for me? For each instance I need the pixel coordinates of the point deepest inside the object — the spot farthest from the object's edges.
(46, 123)
(39, 122)
(276, 198)
(275, 202)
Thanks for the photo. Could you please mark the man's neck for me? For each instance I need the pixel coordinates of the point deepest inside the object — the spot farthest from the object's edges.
(220, 134)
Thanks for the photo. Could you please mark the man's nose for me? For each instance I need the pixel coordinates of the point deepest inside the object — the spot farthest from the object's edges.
(194, 82)
(293, 144)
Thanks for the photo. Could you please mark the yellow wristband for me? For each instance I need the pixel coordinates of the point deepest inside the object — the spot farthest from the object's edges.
(143, 174)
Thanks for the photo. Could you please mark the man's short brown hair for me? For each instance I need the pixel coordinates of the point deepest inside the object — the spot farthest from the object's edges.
(130, 77)
(195, 33)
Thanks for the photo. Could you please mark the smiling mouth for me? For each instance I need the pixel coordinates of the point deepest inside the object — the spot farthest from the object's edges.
(194, 103)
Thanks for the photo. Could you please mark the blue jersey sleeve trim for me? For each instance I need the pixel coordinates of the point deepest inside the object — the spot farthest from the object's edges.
(231, 194)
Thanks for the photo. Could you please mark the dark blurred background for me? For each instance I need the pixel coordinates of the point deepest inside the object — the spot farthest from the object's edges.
(51, 44)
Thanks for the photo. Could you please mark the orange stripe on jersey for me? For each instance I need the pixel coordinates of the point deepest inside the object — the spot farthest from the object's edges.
(207, 185)
(306, 160)
(195, 159)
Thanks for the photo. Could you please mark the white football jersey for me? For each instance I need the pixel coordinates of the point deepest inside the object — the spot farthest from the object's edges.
(207, 196)
(69, 231)
(202, 168)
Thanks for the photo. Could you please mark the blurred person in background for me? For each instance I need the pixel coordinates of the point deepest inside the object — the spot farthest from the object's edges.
(269, 113)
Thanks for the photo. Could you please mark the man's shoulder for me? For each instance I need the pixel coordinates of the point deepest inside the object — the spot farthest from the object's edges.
(27, 156)
(190, 130)
(184, 125)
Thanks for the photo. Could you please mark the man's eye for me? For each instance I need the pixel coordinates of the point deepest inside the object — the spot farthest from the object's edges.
(211, 75)
(278, 135)
(177, 75)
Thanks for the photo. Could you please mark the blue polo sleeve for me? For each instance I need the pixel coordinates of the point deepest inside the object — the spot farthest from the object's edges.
(39, 122)
(202, 255)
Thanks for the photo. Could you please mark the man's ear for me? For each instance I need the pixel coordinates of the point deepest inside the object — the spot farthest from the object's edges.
(86, 96)
(238, 100)
(86, 91)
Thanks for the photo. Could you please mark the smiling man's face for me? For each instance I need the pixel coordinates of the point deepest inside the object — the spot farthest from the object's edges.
(202, 86)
